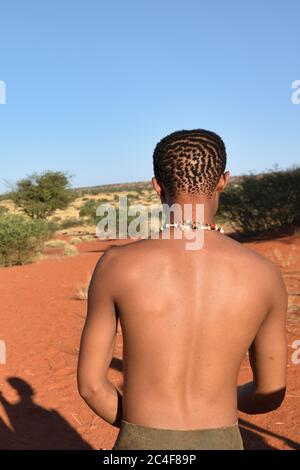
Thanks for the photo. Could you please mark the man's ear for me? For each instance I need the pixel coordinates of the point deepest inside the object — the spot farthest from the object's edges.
(223, 181)
(158, 187)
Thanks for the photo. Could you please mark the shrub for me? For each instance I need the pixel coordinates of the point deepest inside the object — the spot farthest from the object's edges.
(40, 195)
(70, 250)
(53, 226)
(56, 243)
(75, 240)
(70, 222)
(263, 203)
(87, 238)
(88, 210)
(21, 239)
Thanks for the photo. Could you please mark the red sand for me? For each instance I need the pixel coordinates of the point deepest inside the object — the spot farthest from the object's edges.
(41, 322)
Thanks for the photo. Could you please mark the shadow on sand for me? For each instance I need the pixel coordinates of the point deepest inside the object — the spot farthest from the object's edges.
(254, 441)
(35, 427)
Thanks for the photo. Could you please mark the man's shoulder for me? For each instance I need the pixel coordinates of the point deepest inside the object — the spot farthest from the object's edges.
(250, 257)
(126, 253)
(124, 249)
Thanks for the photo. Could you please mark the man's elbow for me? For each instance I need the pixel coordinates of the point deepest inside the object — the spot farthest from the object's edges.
(87, 390)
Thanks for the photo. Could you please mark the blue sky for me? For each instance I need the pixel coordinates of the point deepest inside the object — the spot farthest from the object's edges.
(91, 86)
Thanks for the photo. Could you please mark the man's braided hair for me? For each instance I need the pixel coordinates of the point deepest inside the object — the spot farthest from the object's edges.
(189, 162)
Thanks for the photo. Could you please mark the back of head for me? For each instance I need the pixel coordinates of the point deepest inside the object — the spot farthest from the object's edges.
(189, 162)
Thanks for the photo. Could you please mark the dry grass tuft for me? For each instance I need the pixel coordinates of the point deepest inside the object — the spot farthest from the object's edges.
(81, 292)
(56, 243)
(87, 238)
(75, 240)
(70, 250)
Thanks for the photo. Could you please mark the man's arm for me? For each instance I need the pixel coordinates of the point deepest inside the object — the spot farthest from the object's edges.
(268, 357)
(97, 345)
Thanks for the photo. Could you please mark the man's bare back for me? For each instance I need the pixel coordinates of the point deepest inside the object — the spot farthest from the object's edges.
(188, 319)
(188, 316)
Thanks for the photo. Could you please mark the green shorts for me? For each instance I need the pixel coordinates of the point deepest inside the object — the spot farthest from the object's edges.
(135, 437)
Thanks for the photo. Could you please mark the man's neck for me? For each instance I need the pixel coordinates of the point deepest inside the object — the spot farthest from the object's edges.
(193, 208)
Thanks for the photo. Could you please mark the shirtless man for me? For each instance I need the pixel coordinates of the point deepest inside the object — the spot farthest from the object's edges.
(188, 318)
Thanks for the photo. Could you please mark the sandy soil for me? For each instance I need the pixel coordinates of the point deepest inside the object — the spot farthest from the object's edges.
(41, 322)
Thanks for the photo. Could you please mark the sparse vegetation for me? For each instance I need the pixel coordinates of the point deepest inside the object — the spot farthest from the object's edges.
(67, 248)
(57, 243)
(113, 188)
(70, 222)
(255, 205)
(21, 239)
(264, 203)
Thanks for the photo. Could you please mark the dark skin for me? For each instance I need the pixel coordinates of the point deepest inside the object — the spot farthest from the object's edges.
(188, 318)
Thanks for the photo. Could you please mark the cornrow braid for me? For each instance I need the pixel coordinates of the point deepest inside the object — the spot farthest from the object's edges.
(190, 162)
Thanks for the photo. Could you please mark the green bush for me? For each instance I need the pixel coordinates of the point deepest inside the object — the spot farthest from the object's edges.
(264, 203)
(21, 239)
(88, 210)
(40, 195)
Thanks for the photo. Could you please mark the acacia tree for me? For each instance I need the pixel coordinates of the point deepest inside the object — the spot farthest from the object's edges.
(39, 195)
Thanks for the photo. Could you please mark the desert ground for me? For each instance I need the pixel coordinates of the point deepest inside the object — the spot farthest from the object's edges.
(43, 308)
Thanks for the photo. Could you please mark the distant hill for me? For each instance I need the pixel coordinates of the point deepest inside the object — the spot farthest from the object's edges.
(115, 187)
(140, 185)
